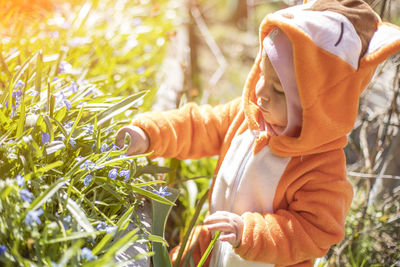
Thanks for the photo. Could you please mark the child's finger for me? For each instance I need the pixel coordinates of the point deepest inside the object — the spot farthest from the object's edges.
(231, 237)
(215, 218)
(120, 138)
(222, 226)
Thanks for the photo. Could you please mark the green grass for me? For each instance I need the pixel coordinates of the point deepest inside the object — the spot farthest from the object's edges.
(69, 79)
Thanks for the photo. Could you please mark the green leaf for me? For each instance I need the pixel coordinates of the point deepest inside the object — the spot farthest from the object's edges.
(70, 252)
(62, 129)
(54, 146)
(38, 80)
(80, 216)
(118, 160)
(21, 121)
(44, 169)
(160, 214)
(22, 69)
(191, 225)
(209, 248)
(125, 218)
(49, 127)
(46, 195)
(122, 243)
(119, 107)
(75, 124)
(150, 195)
(70, 236)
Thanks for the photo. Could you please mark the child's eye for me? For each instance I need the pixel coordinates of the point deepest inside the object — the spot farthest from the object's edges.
(277, 91)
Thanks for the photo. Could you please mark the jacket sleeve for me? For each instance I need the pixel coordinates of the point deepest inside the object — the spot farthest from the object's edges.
(192, 131)
(311, 220)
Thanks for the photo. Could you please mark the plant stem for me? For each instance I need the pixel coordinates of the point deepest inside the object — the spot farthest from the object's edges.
(209, 248)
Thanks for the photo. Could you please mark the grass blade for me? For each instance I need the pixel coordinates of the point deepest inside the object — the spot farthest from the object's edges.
(108, 237)
(191, 225)
(208, 250)
(78, 118)
(71, 236)
(38, 80)
(46, 195)
(119, 107)
(150, 195)
(80, 216)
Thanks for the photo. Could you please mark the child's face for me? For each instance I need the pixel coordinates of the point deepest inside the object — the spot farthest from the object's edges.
(270, 95)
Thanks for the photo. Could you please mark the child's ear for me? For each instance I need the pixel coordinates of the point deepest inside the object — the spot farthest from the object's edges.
(384, 43)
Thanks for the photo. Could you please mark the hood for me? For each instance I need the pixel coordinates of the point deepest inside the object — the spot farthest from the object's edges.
(337, 46)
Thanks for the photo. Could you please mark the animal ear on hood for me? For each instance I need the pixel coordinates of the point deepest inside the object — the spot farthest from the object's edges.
(360, 14)
(379, 39)
(384, 43)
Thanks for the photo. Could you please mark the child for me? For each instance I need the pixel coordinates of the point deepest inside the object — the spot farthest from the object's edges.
(281, 195)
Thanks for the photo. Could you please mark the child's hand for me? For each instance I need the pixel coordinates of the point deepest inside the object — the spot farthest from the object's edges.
(139, 140)
(230, 225)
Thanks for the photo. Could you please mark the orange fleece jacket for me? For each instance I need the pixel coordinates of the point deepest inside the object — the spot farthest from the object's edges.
(313, 195)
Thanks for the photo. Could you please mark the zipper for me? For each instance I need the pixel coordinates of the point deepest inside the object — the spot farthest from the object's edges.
(239, 175)
(238, 179)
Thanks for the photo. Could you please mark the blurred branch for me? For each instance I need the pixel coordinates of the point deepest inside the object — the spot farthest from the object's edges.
(373, 176)
(211, 44)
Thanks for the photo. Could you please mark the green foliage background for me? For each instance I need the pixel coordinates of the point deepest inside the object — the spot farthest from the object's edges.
(69, 79)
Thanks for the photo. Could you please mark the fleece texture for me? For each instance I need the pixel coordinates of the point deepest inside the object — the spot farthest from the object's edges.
(337, 46)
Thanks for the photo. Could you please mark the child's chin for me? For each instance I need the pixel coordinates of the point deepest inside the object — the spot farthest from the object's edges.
(278, 129)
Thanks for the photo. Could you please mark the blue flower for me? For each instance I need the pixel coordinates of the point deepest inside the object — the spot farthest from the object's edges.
(20, 180)
(87, 180)
(140, 70)
(104, 147)
(19, 84)
(102, 226)
(113, 147)
(73, 87)
(126, 174)
(88, 165)
(79, 158)
(16, 94)
(13, 112)
(33, 93)
(67, 222)
(162, 192)
(112, 174)
(72, 142)
(87, 254)
(137, 21)
(33, 217)
(65, 67)
(3, 249)
(89, 128)
(62, 100)
(45, 138)
(111, 230)
(67, 104)
(26, 195)
(68, 126)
